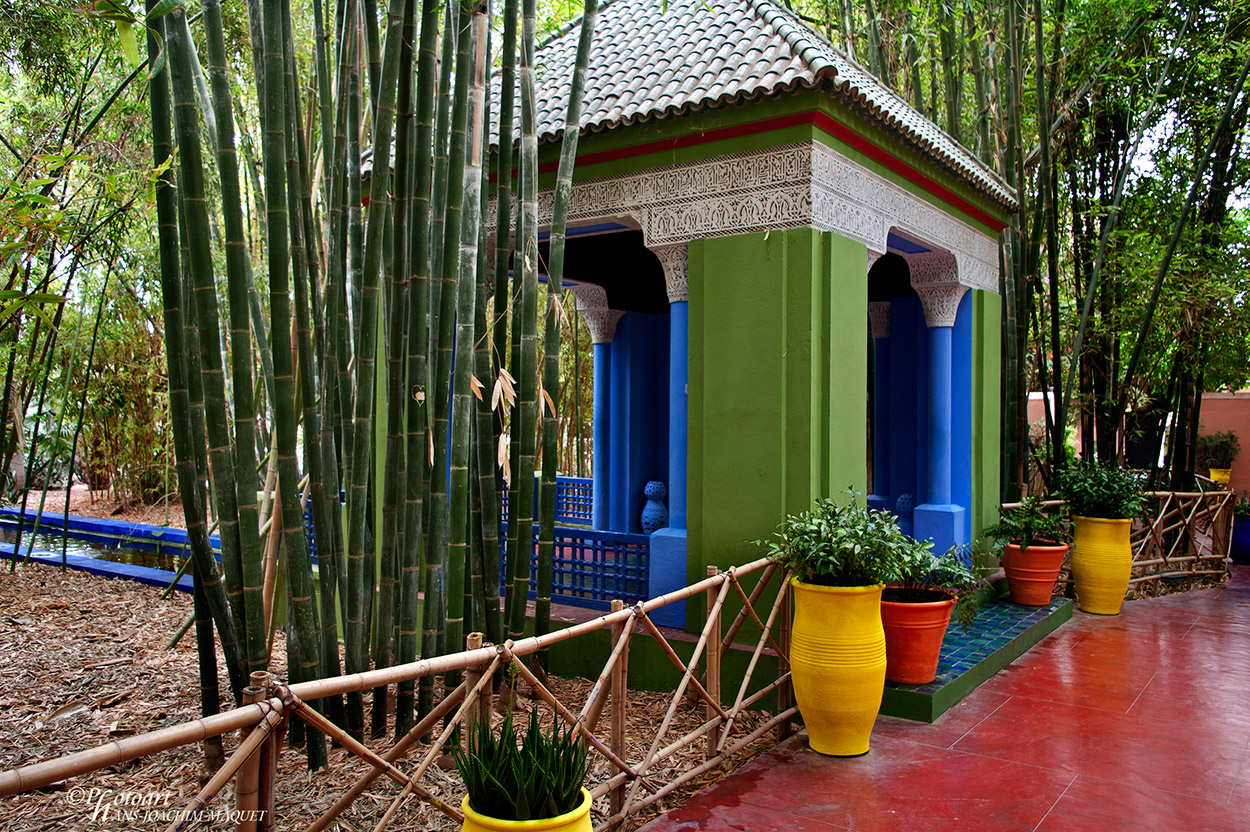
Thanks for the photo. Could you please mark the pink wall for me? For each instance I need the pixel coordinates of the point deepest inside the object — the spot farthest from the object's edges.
(1231, 411)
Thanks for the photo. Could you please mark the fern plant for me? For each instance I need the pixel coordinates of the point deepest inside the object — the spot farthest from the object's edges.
(1028, 524)
(541, 777)
(925, 577)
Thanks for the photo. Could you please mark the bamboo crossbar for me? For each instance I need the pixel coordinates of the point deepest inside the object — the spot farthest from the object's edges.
(395, 752)
(685, 777)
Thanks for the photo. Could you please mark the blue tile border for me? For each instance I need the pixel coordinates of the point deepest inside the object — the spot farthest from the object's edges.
(104, 568)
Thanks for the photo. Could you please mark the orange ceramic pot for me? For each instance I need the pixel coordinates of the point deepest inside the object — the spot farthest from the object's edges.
(913, 637)
(1031, 572)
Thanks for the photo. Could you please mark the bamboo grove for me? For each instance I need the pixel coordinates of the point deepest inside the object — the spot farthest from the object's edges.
(399, 354)
(1121, 128)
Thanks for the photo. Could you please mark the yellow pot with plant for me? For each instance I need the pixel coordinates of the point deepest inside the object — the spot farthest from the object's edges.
(1103, 501)
(840, 558)
(534, 785)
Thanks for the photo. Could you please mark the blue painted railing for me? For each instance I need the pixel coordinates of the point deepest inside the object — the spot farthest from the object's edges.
(591, 568)
(575, 498)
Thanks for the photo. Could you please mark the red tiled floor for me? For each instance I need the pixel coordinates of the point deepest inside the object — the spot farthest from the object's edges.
(1135, 722)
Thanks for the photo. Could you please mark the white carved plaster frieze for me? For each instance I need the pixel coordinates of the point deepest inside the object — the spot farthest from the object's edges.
(791, 186)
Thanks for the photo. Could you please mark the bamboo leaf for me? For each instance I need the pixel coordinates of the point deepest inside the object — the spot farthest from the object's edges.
(476, 386)
(163, 8)
(496, 394)
(551, 406)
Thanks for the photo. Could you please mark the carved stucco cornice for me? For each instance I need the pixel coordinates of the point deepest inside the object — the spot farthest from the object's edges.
(676, 273)
(789, 186)
(592, 305)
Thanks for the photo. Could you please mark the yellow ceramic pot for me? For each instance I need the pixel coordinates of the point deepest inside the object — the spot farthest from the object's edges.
(837, 662)
(1221, 475)
(1102, 561)
(577, 820)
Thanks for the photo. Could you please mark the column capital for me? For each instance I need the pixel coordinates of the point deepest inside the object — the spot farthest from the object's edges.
(592, 305)
(935, 277)
(879, 315)
(676, 276)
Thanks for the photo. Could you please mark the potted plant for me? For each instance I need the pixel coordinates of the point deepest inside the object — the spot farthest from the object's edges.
(1216, 452)
(1239, 546)
(1032, 545)
(916, 611)
(536, 786)
(1102, 501)
(840, 558)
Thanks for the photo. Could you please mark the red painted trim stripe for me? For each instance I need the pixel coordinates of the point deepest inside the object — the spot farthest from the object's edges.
(820, 120)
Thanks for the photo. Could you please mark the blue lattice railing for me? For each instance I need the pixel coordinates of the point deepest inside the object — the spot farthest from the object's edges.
(575, 497)
(591, 568)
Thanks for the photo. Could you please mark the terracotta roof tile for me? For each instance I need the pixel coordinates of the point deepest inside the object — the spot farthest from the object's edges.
(647, 62)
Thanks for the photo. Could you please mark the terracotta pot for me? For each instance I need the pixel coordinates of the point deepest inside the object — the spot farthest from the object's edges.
(1031, 573)
(837, 663)
(1102, 561)
(913, 637)
(578, 820)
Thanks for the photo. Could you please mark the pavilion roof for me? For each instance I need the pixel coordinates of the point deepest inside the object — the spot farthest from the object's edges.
(649, 63)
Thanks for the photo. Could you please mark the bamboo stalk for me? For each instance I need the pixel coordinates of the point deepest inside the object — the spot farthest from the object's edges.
(180, 404)
(741, 616)
(551, 339)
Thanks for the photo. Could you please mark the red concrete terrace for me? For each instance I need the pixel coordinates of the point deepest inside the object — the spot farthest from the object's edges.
(1133, 722)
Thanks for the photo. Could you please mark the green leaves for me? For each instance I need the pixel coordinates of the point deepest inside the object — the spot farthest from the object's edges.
(1094, 490)
(1028, 524)
(542, 778)
(833, 545)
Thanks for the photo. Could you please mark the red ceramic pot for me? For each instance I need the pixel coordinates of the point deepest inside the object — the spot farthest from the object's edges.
(1031, 573)
(913, 635)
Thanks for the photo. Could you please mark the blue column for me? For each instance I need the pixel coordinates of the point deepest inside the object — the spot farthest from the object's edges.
(677, 377)
(938, 518)
(940, 415)
(603, 426)
(880, 497)
(618, 442)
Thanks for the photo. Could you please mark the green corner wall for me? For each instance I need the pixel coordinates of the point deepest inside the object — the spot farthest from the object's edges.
(987, 336)
(778, 385)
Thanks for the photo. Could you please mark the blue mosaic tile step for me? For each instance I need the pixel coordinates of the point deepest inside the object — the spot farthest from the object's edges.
(1001, 632)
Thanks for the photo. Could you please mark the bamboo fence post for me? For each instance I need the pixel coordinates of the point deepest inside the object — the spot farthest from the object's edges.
(714, 600)
(473, 711)
(262, 730)
(267, 784)
(619, 681)
(247, 783)
(598, 696)
(785, 691)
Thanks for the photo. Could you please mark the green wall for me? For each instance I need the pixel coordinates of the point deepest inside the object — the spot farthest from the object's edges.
(987, 311)
(778, 379)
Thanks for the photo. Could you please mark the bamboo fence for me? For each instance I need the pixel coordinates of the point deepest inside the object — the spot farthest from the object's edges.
(629, 784)
(1181, 534)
